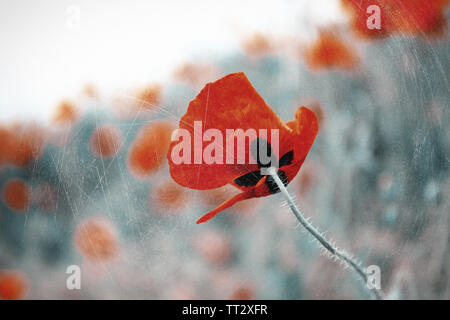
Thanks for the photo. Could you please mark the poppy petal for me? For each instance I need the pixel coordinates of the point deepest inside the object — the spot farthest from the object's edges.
(228, 103)
(226, 204)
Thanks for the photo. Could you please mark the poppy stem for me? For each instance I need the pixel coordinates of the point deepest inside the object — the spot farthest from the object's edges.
(316, 234)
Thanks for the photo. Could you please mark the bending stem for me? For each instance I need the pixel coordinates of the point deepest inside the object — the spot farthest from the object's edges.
(316, 234)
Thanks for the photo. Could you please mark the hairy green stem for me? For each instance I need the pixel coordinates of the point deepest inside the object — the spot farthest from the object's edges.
(316, 234)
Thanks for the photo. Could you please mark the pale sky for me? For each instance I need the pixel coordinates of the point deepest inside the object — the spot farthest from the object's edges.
(46, 55)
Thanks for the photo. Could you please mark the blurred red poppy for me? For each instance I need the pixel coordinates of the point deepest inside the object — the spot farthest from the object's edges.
(105, 141)
(13, 285)
(21, 144)
(96, 239)
(258, 45)
(169, 196)
(330, 51)
(195, 74)
(418, 17)
(65, 113)
(16, 195)
(146, 154)
(150, 96)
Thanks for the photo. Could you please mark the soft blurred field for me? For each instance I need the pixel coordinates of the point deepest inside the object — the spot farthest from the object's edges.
(88, 184)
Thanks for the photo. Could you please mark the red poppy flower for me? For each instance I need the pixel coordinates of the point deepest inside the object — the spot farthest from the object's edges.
(169, 197)
(146, 153)
(13, 285)
(196, 74)
(96, 239)
(21, 144)
(233, 103)
(330, 51)
(408, 17)
(65, 113)
(258, 45)
(105, 141)
(90, 91)
(150, 96)
(16, 195)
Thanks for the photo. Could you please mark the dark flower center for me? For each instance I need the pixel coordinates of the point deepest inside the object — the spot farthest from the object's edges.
(252, 178)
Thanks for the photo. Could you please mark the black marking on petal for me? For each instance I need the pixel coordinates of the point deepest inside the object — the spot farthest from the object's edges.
(286, 159)
(249, 179)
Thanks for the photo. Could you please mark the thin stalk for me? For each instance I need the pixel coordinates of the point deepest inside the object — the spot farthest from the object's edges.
(316, 234)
